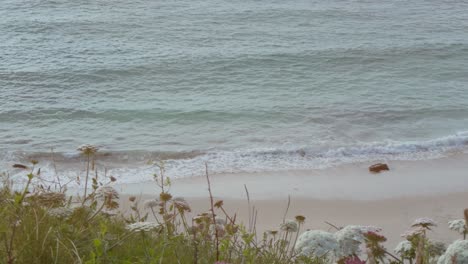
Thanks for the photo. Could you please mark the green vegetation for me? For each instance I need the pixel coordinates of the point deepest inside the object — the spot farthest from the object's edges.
(39, 223)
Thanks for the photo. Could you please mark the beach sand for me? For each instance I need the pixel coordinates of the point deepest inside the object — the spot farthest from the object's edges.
(343, 195)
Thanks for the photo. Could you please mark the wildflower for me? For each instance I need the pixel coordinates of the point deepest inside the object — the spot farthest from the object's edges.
(316, 243)
(181, 204)
(289, 226)
(142, 226)
(413, 233)
(456, 253)
(88, 149)
(374, 237)
(219, 204)
(149, 204)
(458, 226)
(351, 237)
(436, 248)
(165, 197)
(403, 248)
(424, 222)
(60, 212)
(107, 192)
(300, 219)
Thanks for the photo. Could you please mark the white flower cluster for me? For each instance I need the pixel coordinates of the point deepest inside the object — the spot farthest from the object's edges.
(289, 226)
(457, 253)
(60, 212)
(351, 237)
(107, 192)
(458, 226)
(345, 242)
(403, 248)
(317, 243)
(424, 222)
(143, 226)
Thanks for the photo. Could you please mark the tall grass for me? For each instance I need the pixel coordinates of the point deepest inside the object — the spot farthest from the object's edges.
(40, 223)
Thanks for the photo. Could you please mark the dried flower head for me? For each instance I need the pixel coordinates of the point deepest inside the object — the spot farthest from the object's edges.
(289, 226)
(88, 149)
(272, 232)
(152, 203)
(165, 197)
(458, 226)
(413, 233)
(375, 237)
(113, 179)
(107, 192)
(132, 198)
(317, 243)
(424, 222)
(300, 219)
(143, 226)
(181, 204)
(219, 204)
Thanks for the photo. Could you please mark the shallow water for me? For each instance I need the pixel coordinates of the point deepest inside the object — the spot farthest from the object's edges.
(245, 85)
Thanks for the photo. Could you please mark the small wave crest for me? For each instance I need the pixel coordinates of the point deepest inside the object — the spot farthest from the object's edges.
(132, 167)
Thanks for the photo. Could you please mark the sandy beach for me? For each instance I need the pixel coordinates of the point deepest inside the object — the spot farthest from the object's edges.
(343, 195)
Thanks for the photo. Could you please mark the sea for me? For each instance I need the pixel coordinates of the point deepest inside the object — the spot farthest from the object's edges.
(242, 86)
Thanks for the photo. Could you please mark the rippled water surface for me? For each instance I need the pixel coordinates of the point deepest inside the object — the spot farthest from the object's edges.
(245, 84)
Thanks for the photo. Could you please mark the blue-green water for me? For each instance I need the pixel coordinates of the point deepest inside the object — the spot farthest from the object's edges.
(246, 85)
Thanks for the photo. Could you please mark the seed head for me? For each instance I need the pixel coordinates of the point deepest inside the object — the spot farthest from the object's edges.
(300, 219)
(165, 197)
(88, 149)
(219, 204)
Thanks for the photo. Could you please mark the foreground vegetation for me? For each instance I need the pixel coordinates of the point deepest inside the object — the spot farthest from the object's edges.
(39, 223)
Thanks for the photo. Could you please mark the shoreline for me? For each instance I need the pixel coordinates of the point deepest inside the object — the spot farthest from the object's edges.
(344, 195)
(348, 182)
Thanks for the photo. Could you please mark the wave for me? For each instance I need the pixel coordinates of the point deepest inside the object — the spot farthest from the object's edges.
(133, 166)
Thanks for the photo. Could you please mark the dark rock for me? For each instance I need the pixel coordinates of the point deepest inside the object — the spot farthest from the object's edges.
(376, 168)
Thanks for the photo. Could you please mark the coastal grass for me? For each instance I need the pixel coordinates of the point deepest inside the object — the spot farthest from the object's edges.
(40, 223)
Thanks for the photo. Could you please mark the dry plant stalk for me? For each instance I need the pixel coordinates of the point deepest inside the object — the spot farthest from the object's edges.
(212, 212)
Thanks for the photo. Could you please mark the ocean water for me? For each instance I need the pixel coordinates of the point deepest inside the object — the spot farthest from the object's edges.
(249, 85)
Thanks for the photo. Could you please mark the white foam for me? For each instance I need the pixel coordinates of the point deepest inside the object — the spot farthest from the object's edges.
(274, 159)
